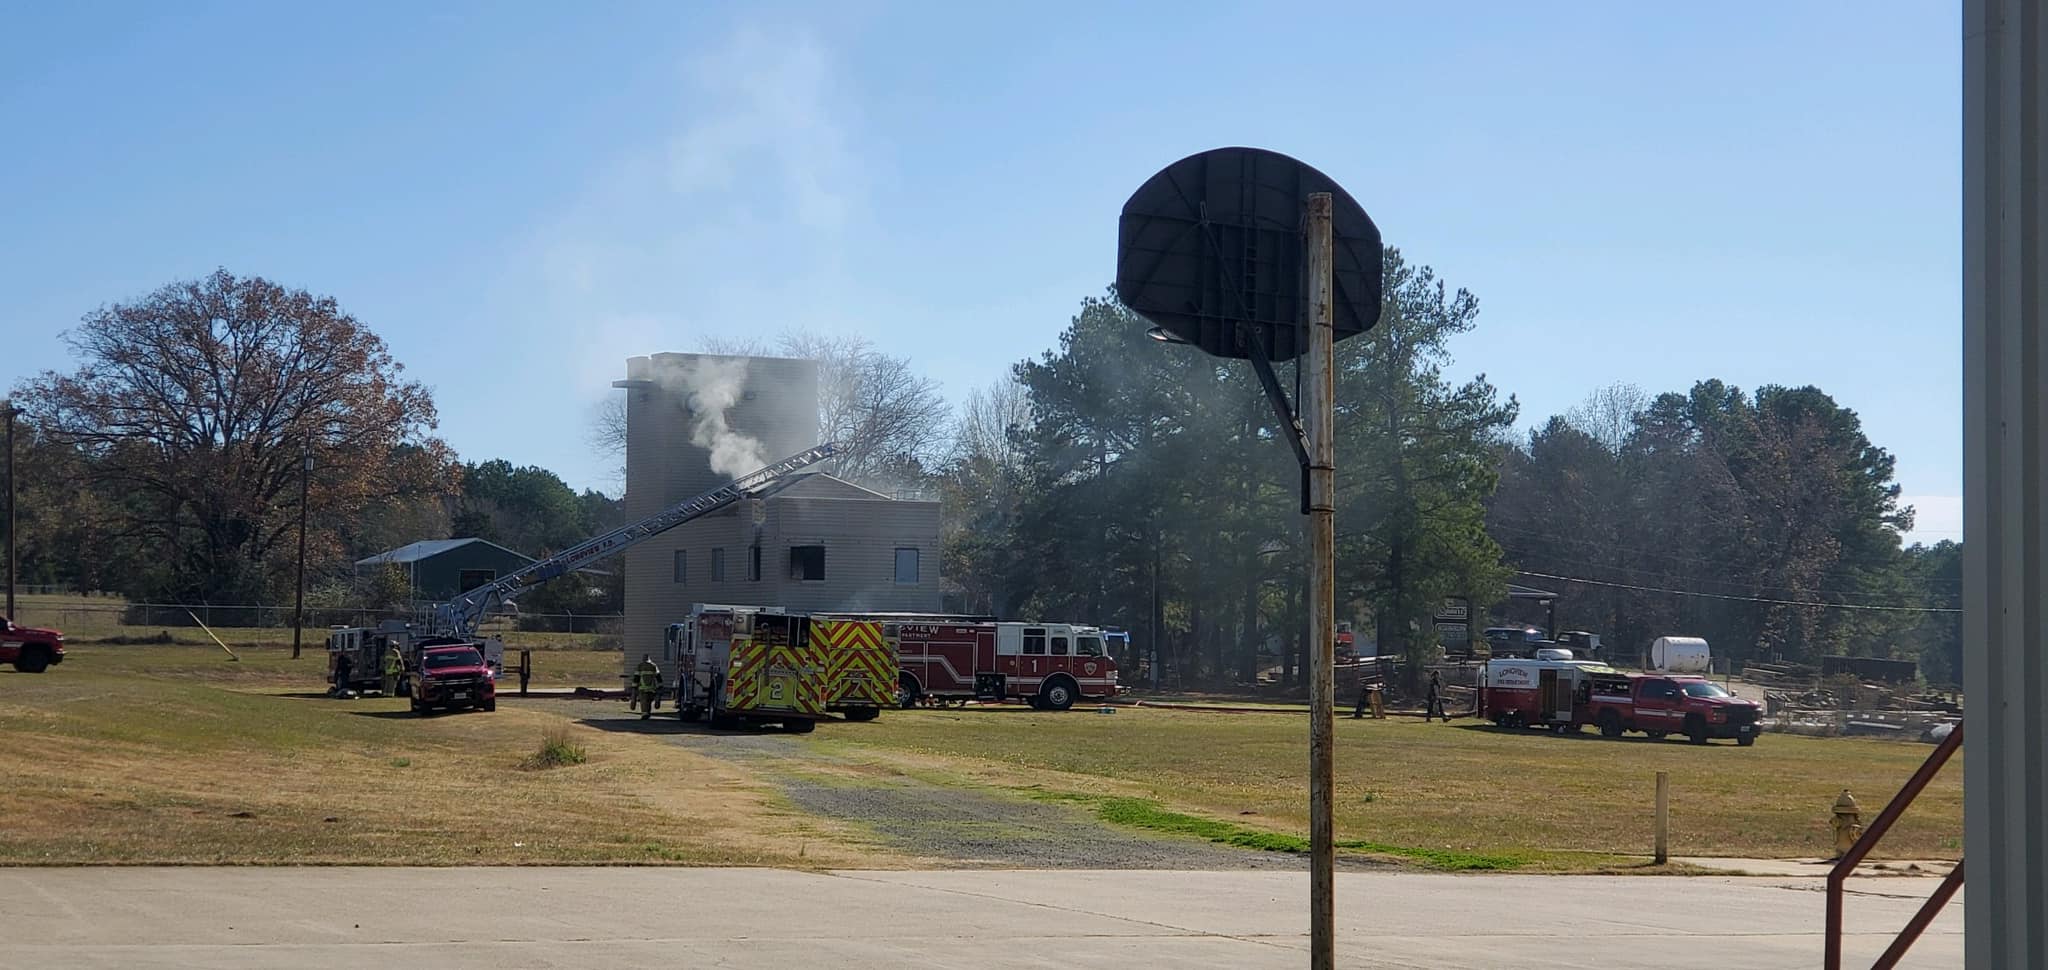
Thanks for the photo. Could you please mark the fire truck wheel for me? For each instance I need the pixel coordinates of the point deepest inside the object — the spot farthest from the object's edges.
(1746, 740)
(33, 659)
(1057, 695)
(1696, 729)
(906, 692)
(800, 725)
(491, 705)
(1610, 724)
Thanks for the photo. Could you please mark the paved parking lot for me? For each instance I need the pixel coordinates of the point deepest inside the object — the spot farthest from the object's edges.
(766, 918)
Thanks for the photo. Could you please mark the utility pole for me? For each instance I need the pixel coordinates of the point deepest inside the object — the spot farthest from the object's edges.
(299, 603)
(1319, 394)
(7, 408)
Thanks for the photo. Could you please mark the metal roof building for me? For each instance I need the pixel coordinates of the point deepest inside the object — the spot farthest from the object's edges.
(439, 569)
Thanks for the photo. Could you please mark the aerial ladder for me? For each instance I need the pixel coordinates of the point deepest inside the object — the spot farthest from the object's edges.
(459, 618)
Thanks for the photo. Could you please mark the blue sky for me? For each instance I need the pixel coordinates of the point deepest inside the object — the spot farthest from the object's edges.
(517, 196)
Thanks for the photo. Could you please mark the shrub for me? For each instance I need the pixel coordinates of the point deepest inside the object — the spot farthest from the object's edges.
(556, 750)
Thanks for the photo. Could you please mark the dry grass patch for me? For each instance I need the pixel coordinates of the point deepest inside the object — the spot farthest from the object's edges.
(127, 770)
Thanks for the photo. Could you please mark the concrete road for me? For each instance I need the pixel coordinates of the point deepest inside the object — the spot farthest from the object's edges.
(745, 918)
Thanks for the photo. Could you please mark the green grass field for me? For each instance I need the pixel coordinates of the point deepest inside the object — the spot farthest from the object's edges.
(1459, 788)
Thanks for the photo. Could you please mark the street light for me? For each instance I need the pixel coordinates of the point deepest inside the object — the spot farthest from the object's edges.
(8, 408)
(299, 606)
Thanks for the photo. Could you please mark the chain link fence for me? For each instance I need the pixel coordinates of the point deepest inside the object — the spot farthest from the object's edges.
(88, 616)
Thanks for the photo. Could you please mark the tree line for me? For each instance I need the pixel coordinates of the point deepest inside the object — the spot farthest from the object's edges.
(1111, 479)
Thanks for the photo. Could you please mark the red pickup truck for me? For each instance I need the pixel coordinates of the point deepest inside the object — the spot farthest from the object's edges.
(29, 649)
(1658, 705)
(453, 676)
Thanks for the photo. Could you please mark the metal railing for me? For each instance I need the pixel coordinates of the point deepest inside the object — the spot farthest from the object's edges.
(1839, 875)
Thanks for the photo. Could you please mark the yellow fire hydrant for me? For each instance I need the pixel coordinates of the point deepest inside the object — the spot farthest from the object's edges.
(1848, 823)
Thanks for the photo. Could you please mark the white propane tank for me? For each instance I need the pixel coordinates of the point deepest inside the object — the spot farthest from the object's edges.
(1679, 655)
(1554, 653)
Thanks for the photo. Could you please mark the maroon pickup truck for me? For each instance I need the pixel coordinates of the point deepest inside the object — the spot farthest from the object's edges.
(29, 649)
(1658, 705)
(452, 677)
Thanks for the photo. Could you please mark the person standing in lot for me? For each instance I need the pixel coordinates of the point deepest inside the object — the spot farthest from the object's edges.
(394, 665)
(646, 686)
(1436, 699)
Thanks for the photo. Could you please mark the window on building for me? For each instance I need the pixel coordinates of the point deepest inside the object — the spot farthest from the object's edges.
(718, 565)
(906, 566)
(1034, 641)
(807, 563)
(682, 566)
(470, 579)
(1059, 646)
(754, 563)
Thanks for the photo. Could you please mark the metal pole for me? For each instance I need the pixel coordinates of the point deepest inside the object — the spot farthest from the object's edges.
(1152, 620)
(8, 407)
(1319, 392)
(299, 601)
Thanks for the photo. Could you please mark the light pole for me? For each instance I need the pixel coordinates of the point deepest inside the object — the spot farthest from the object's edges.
(299, 604)
(8, 408)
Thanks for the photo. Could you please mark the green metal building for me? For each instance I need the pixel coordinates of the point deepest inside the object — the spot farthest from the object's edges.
(438, 570)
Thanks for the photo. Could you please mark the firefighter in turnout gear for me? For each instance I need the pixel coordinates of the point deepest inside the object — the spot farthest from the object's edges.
(394, 667)
(646, 686)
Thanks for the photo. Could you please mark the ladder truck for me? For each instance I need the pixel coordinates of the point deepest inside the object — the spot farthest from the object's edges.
(456, 622)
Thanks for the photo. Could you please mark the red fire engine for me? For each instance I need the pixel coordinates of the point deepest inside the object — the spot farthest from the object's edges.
(1050, 665)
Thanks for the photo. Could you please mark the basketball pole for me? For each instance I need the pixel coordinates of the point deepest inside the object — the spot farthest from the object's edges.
(1318, 409)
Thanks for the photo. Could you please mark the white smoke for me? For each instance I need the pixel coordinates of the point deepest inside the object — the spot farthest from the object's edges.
(712, 385)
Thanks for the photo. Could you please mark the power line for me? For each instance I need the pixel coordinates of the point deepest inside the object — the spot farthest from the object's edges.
(1748, 599)
(1832, 575)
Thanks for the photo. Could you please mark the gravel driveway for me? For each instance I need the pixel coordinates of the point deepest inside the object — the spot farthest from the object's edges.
(965, 824)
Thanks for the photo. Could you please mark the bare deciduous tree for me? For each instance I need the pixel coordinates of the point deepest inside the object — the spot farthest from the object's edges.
(1608, 415)
(198, 403)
